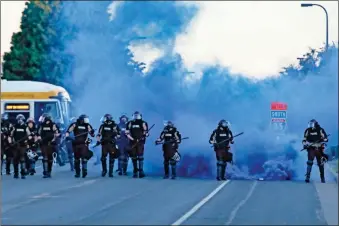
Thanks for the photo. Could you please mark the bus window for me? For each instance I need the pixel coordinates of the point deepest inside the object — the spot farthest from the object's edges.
(46, 107)
(65, 110)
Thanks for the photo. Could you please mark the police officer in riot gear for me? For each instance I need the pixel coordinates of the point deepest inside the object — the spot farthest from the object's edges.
(47, 134)
(137, 131)
(123, 146)
(20, 134)
(81, 128)
(6, 140)
(108, 133)
(172, 138)
(221, 137)
(69, 148)
(313, 142)
(31, 155)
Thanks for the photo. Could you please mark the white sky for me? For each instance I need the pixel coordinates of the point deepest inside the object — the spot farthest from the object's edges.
(253, 38)
(10, 22)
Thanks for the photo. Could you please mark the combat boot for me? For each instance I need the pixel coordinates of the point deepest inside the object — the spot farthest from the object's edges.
(84, 167)
(84, 173)
(308, 171)
(141, 167)
(223, 172)
(104, 167)
(111, 167)
(218, 172)
(135, 168)
(322, 173)
(174, 172)
(166, 169)
(77, 168)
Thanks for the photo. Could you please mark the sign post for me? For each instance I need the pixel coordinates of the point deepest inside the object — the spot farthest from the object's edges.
(278, 116)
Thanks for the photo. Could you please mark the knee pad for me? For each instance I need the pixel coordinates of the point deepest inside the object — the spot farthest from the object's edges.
(140, 158)
(224, 163)
(219, 163)
(309, 163)
(172, 162)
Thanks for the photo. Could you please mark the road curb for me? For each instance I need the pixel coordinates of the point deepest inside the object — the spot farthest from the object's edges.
(335, 175)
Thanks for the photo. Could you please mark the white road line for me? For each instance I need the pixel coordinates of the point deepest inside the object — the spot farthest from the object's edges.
(42, 195)
(243, 202)
(200, 204)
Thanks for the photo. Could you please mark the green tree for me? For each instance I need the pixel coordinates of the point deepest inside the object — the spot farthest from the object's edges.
(28, 45)
(57, 62)
(37, 51)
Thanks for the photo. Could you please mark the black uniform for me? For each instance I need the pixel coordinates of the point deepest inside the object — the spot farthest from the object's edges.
(20, 134)
(172, 138)
(123, 146)
(32, 146)
(6, 151)
(137, 129)
(108, 133)
(314, 136)
(81, 128)
(221, 138)
(48, 132)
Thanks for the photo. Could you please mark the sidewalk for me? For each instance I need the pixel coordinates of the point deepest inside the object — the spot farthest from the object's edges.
(333, 167)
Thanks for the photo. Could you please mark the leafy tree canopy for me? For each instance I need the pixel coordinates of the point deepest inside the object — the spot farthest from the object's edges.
(37, 52)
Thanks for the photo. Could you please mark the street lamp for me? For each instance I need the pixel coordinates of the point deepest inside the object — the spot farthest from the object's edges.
(310, 5)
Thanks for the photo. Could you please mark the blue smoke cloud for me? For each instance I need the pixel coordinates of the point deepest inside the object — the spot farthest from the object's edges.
(104, 82)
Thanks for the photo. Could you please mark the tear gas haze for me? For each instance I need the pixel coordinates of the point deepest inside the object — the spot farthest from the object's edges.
(106, 80)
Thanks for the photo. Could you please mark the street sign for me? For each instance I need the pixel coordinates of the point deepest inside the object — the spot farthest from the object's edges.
(278, 116)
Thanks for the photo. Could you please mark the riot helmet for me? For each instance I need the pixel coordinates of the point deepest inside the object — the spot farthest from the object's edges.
(4, 116)
(224, 124)
(30, 121)
(20, 119)
(168, 124)
(83, 119)
(123, 118)
(313, 123)
(137, 115)
(106, 118)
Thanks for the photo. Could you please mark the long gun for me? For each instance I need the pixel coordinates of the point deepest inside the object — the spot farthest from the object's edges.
(171, 141)
(228, 139)
(143, 137)
(318, 141)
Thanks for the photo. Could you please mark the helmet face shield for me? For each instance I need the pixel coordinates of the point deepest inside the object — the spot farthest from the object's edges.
(123, 118)
(106, 118)
(137, 116)
(225, 124)
(86, 120)
(4, 116)
(20, 119)
(311, 124)
(167, 123)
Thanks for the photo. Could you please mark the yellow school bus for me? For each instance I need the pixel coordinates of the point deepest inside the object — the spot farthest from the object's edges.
(32, 99)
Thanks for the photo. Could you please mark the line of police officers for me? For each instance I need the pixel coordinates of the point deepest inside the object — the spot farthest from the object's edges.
(19, 143)
(123, 141)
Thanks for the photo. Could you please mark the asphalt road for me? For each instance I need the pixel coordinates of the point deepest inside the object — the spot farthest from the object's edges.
(65, 200)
